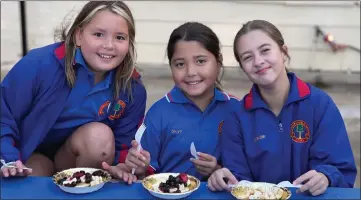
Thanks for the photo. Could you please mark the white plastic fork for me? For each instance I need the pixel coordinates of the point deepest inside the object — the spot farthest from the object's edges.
(193, 151)
(11, 165)
(288, 184)
(138, 137)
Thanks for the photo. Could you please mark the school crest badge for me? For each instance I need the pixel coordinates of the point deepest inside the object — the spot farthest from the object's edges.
(102, 107)
(300, 132)
(119, 108)
(220, 125)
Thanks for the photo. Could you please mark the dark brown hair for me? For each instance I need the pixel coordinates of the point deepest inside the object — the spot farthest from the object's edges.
(125, 69)
(194, 31)
(265, 26)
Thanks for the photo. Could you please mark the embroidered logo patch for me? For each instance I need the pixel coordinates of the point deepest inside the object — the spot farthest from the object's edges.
(119, 108)
(220, 127)
(102, 107)
(300, 132)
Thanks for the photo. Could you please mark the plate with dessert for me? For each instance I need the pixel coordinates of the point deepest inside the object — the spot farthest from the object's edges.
(171, 185)
(259, 190)
(81, 180)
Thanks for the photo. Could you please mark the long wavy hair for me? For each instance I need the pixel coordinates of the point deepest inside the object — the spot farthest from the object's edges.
(124, 71)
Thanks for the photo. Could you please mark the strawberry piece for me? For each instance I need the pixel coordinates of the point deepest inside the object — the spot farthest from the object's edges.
(183, 177)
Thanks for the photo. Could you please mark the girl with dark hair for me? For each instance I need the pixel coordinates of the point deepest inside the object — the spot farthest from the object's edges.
(193, 111)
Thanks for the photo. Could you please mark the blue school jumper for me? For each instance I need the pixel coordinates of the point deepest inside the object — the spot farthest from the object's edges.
(308, 134)
(37, 105)
(174, 122)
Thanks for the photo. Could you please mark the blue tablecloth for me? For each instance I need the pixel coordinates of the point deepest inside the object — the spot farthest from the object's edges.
(44, 188)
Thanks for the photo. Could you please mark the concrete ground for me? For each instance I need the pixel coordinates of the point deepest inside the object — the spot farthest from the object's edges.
(343, 88)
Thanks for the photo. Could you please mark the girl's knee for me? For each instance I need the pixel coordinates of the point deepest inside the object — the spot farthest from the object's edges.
(94, 140)
(41, 165)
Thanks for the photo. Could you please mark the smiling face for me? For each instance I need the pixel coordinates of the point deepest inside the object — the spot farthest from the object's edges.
(260, 57)
(104, 41)
(194, 69)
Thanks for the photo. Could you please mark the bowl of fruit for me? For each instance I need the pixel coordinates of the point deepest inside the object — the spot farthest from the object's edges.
(81, 180)
(259, 190)
(171, 185)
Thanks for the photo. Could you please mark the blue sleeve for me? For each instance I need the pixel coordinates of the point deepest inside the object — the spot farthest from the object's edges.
(151, 139)
(330, 152)
(233, 149)
(17, 91)
(124, 129)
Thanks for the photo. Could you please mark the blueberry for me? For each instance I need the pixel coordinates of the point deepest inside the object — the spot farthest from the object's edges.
(88, 179)
(60, 181)
(73, 183)
(177, 179)
(99, 173)
(87, 175)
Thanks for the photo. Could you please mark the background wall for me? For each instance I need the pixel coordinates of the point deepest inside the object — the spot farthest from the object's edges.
(156, 19)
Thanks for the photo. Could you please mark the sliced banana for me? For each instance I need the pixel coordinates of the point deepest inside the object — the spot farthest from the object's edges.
(259, 191)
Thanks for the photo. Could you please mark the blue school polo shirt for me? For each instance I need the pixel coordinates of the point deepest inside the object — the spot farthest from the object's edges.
(95, 103)
(83, 101)
(39, 106)
(308, 134)
(174, 122)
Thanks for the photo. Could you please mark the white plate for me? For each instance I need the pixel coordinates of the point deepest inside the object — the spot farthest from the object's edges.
(162, 177)
(257, 185)
(80, 190)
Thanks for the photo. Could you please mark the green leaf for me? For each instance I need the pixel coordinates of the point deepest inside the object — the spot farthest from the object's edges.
(117, 107)
(299, 128)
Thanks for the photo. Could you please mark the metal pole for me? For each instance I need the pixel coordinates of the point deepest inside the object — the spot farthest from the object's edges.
(23, 28)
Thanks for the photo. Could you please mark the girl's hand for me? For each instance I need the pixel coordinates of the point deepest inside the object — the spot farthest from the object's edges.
(220, 179)
(18, 170)
(120, 171)
(137, 159)
(314, 182)
(206, 164)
